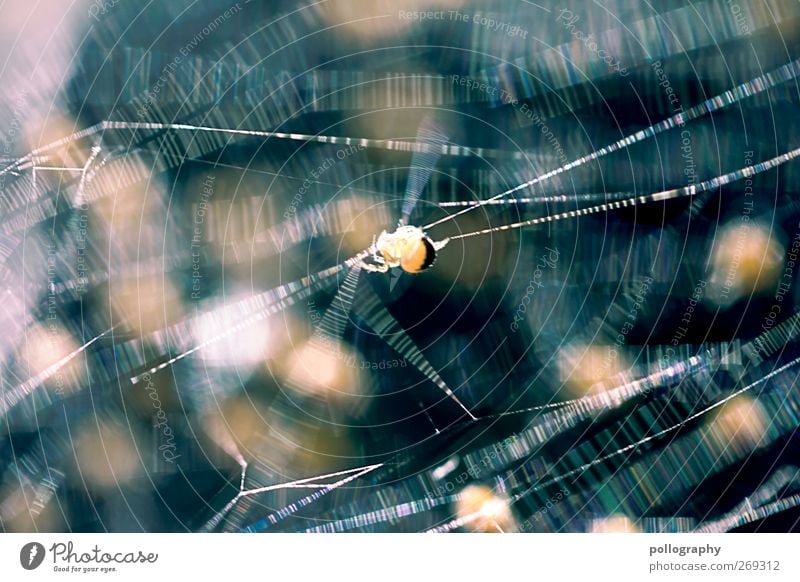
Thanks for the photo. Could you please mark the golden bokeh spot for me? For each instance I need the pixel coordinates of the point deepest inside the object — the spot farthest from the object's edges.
(237, 424)
(484, 511)
(615, 524)
(746, 259)
(374, 20)
(585, 369)
(741, 422)
(146, 304)
(106, 455)
(320, 368)
(49, 350)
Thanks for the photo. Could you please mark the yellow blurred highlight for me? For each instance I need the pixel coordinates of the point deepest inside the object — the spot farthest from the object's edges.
(146, 304)
(235, 427)
(45, 130)
(106, 456)
(49, 344)
(320, 368)
(745, 259)
(741, 422)
(483, 511)
(19, 515)
(131, 218)
(615, 524)
(370, 20)
(584, 367)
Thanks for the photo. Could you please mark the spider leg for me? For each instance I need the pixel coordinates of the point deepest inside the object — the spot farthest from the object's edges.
(379, 265)
(381, 268)
(441, 244)
(377, 257)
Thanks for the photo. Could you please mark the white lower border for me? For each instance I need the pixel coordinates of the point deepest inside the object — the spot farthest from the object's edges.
(379, 557)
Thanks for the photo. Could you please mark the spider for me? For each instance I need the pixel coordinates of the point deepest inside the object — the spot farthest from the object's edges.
(408, 247)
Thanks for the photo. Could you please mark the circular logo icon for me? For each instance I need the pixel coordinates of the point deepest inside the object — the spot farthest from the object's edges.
(31, 555)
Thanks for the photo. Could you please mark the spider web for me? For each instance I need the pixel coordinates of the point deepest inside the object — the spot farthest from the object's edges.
(187, 313)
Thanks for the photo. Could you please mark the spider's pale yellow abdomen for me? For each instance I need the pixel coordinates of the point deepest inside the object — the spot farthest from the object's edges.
(418, 255)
